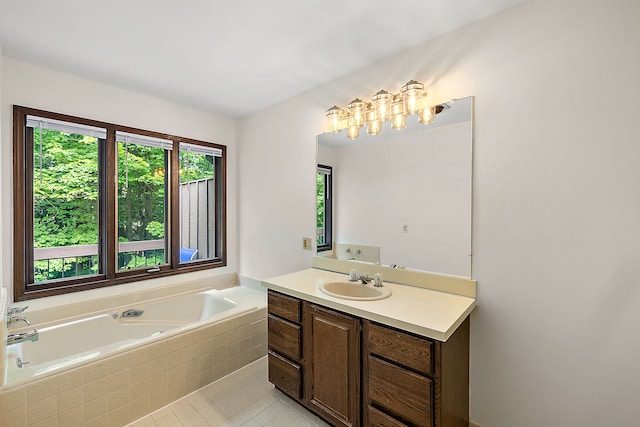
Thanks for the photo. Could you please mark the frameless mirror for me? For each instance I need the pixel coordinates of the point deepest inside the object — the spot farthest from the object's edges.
(407, 192)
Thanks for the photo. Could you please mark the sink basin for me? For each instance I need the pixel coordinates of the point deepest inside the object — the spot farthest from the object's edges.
(355, 291)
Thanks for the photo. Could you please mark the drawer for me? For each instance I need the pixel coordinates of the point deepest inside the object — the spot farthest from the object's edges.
(401, 393)
(284, 306)
(285, 375)
(402, 348)
(285, 338)
(380, 419)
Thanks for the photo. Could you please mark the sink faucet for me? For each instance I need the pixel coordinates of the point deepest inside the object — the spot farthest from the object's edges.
(15, 319)
(365, 279)
(22, 337)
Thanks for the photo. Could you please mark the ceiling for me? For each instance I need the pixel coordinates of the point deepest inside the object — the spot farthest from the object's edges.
(230, 57)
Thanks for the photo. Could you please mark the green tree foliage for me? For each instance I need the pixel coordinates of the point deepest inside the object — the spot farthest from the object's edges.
(66, 189)
(65, 200)
(320, 196)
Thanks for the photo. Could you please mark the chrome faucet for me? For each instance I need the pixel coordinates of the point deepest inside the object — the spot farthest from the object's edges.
(22, 337)
(16, 310)
(365, 279)
(15, 319)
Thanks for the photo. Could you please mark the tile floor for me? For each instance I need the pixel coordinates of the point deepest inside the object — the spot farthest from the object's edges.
(243, 398)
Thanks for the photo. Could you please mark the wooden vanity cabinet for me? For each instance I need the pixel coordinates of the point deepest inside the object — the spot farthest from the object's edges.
(332, 364)
(410, 380)
(285, 343)
(354, 372)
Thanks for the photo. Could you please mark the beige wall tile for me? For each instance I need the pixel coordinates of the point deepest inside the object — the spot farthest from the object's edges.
(140, 407)
(41, 389)
(101, 421)
(118, 380)
(73, 417)
(96, 408)
(70, 379)
(140, 390)
(119, 398)
(96, 389)
(70, 398)
(139, 356)
(158, 396)
(190, 353)
(12, 399)
(95, 370)
(175, 374)
(244, 332)
(16, 417)
(42, 409)
(139, 372)
(117, 363)
(159, 348)
(159, 364)
(48, 422)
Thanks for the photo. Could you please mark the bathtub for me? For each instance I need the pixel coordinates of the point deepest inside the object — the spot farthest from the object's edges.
(81, 340)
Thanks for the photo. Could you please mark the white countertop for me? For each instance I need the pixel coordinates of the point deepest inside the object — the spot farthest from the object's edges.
(433, 314)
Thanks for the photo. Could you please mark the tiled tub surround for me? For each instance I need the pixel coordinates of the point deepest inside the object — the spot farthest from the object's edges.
(114, 390)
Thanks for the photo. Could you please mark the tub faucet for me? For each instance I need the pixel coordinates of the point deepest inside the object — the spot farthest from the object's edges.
(16, 310)
(15, 319)
(22, 337)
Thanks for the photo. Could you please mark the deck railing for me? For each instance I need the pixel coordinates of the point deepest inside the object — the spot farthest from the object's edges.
(76, 258)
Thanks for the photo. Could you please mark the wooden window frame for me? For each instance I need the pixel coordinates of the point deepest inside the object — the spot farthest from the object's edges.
(23, 255)
(328, 211)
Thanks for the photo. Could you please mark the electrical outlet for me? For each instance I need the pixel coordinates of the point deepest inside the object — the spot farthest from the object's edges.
(307, 243)
(405, 228)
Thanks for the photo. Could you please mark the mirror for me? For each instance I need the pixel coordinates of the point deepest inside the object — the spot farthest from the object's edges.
(405, 193)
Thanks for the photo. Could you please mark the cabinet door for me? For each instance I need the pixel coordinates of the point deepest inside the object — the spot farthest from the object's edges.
(332, 364)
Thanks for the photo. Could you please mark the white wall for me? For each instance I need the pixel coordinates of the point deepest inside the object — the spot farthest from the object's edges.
(31, 86)
(555, 336)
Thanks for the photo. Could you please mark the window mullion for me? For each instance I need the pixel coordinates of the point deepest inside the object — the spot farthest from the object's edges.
(174, 206)
(109, 201)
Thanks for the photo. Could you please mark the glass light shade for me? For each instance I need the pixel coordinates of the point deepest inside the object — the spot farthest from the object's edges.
(398, 118)
(353, 132)
(381, 103)
(411, 92)
(398, 122)
(427, 116)
(374, 126)
(357, 109)
(334, 114)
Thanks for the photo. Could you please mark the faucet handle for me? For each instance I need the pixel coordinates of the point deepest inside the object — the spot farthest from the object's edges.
(15, 310)
(353, 275)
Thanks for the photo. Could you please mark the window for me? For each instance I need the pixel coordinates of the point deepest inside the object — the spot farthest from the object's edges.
(324, 193)
(98, 204)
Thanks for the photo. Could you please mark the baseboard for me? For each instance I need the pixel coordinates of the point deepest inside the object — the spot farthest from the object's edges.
(474, 424)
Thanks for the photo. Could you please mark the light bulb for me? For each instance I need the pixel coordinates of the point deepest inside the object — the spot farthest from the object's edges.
(427, 116)
(411, 92)
(352, 132)
(357, 109)
(381, 102)
(334, 114)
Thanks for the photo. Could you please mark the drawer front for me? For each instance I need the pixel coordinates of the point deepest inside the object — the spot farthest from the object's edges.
(404, 349)
(284, 306)
(380, 419)
(285, 375)
(402, 393)
(284, 338)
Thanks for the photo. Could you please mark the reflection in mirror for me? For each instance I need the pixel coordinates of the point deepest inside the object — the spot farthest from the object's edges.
(407, 192)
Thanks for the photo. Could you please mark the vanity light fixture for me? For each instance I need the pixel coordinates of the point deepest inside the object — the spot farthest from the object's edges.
(383, 106)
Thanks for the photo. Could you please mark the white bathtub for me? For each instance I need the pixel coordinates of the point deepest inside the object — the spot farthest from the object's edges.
(85, 339)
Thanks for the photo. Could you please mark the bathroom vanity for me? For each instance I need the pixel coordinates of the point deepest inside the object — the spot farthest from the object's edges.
(398, 361)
